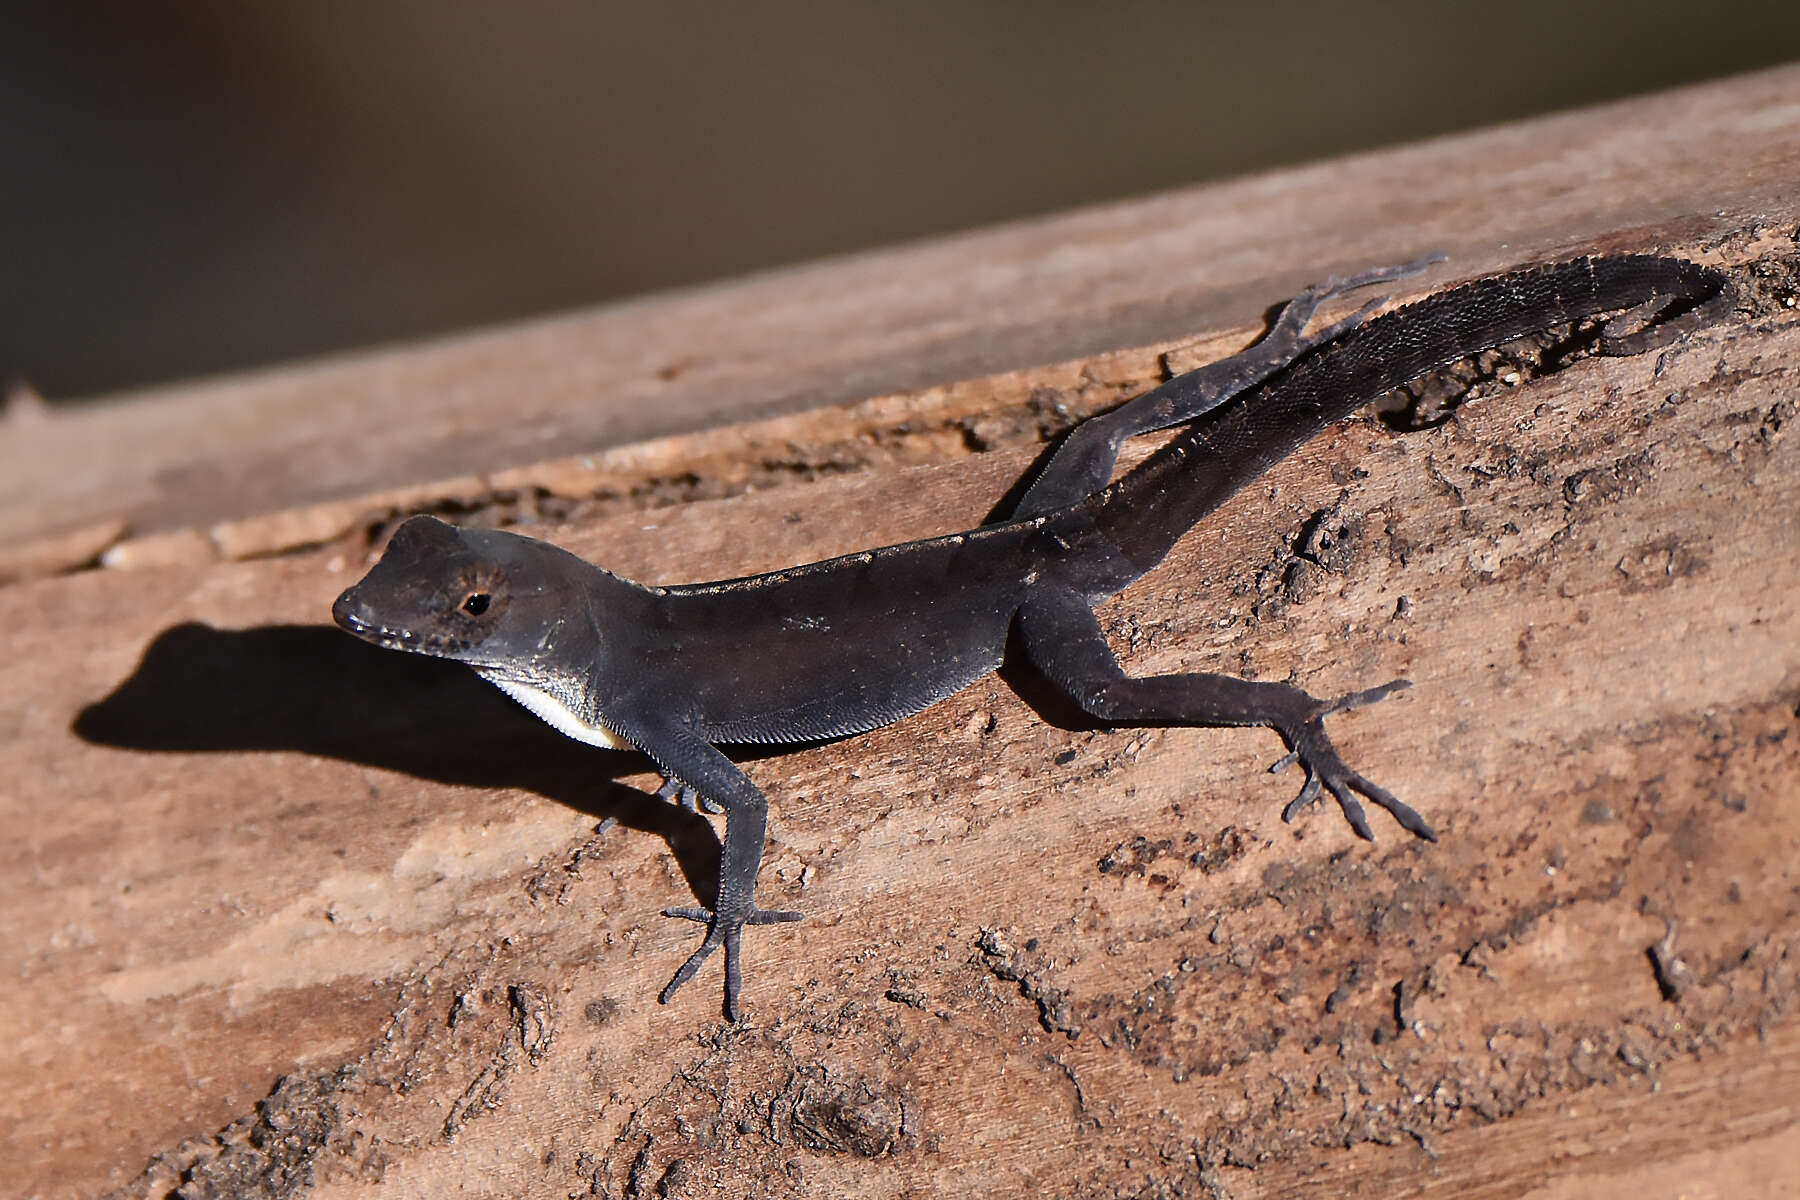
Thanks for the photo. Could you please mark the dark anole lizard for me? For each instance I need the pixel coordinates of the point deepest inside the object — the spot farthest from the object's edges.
(850, 644)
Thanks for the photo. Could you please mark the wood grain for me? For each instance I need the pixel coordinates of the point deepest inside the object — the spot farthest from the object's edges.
(289, 915)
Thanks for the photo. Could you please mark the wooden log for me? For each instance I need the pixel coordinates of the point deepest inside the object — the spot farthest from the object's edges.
(285, 913)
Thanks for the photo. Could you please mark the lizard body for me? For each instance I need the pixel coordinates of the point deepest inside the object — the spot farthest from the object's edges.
(850, 644)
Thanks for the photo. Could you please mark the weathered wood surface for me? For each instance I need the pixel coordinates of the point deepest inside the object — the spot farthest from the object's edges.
(288, 914)
(1039, 291)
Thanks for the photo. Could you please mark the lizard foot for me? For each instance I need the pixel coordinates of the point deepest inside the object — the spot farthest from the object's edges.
(687, 797)
(1326, 770)
(722, 930)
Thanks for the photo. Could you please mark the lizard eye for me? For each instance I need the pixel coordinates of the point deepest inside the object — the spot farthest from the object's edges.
(477, 603)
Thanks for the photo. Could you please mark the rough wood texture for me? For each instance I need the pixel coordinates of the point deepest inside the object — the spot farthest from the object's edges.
(1039, 291)
(286, 914)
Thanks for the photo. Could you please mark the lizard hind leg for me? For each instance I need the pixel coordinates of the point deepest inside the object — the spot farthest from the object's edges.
(1084, 462)
(1061, 638)
(1326, 769)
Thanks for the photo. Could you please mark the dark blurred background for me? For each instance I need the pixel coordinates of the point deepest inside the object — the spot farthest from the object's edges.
(194, 187)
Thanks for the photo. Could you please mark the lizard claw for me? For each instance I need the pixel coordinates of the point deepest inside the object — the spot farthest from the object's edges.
(1326, 770)
(722, 930)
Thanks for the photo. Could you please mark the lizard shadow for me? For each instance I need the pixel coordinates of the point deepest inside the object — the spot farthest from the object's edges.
(310, 689)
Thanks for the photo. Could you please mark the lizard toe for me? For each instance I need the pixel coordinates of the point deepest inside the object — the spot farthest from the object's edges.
(1326, 771)
(726, 930)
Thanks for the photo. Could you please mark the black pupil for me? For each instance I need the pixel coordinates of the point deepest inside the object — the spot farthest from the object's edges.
(476, 604)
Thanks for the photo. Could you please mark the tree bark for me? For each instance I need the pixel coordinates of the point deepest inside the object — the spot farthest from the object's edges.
(290, 915)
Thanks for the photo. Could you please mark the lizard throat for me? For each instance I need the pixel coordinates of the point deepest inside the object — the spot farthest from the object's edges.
(556, 712)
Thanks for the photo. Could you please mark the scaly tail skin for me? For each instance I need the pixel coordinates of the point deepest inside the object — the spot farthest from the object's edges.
(1148, 510)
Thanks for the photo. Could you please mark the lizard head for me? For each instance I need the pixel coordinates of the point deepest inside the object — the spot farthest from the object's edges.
(480, 596)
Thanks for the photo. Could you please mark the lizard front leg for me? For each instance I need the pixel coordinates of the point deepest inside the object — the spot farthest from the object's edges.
(746, 830)
(687, 797)
(1063, 641)
(691, 763)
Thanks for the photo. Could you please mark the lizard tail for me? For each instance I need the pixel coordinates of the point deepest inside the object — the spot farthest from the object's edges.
(1147, 510)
